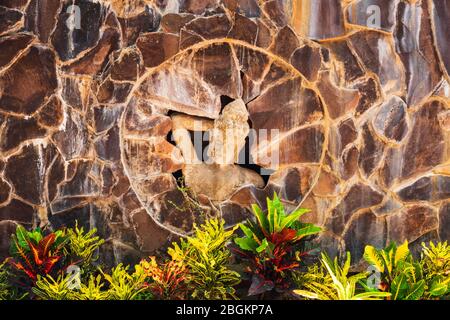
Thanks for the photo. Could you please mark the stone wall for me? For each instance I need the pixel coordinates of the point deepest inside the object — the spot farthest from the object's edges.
(89, 108)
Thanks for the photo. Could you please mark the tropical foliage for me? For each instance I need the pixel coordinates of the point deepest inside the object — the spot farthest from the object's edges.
(166, 281)
(400, 274)
(93, 290)
(34, 254)
(207, 258)
(4, 285)
(48, 288)
(331, 281)
(272, 247)
(7, 290)
(268, 256)
(120, 285)
(124, 285)
(436, 269)
(82, 247)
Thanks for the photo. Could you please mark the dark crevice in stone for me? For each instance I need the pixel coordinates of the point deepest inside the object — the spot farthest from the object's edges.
(246, 161)
(178, 175)
(169, 138)
(224, 100)
(200, 141)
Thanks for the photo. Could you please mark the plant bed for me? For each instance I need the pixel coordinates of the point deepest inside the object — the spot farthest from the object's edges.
(264, 260)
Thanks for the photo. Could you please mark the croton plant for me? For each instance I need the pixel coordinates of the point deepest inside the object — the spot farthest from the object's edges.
(273, 246)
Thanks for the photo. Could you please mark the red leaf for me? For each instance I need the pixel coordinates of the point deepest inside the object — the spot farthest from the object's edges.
(50, 262)
(29, 273)
(46, 243)
(289, 266)
(286, 235)
(260, 285)
(23, 255)
(35, 253)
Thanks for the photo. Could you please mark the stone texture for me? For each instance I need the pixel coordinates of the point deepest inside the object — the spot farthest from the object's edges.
(9, 19)
(132, 26)
(173, 22)
(11, 46)
(414, 43)
(440, 15)
(369, 95)
(24, 96)
(41, 17)
(7, 228)
(351, 120)
(421, 219)
(52, 113)
(18, 211)
(126, 65)
(17, 131)
(26, 170)
(362, 12)
(5, 189)
(244, 29)
(198, 6)
(427, 188)
(150, 236)
(378, 55)
(72, 138)
(157, 47)
(391, 120)
(371, 151)
(349, 162)
(342, 52)
(212, 27)
(340, 100)
(285, 43)
(364, 229)
(444, 218)
(69, 43)
(306, 20)
(276, 12)
(300, 106)
(358, 197)
(94, 61)
(307, 60)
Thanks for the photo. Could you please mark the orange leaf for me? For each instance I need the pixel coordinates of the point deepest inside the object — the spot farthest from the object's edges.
(35, 253)
(46, 243)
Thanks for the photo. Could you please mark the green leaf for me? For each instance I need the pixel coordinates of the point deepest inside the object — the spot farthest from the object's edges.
(22, 236)
(373, 295)
(416, 291)
(438, 289)
(292, 217)
(263, 246)
(279, 214)
(261, 217)
(346, 267)
(399, 287)
(247, 244)
(308, 229)
(247, 231)
(271, 215)
(36, 235)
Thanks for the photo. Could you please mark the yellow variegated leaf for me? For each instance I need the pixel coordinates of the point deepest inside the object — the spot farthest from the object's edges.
(401, 253)
(306, 294)
(373, 256)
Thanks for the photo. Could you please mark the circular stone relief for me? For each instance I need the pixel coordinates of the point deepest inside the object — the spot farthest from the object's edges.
(234, 121)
